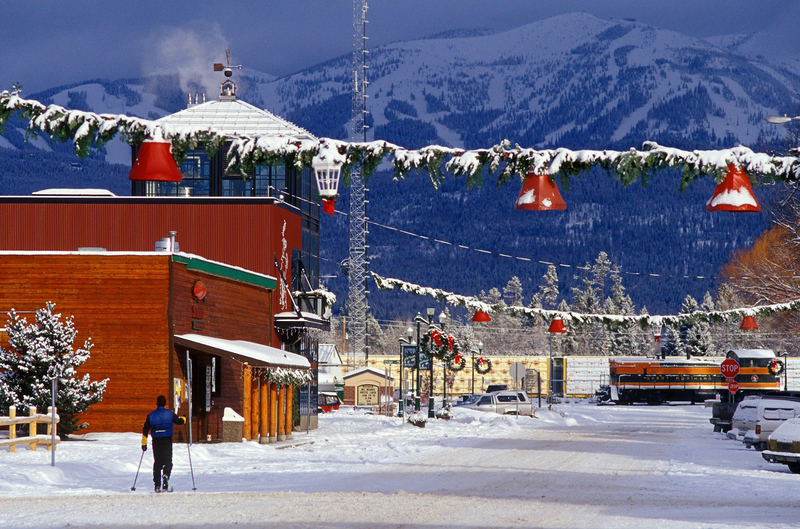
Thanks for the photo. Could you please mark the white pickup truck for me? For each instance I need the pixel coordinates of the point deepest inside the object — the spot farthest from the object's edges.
(508, 402)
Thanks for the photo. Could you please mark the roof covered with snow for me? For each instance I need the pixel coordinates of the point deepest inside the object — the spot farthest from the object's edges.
(234, 118)
(253, 353)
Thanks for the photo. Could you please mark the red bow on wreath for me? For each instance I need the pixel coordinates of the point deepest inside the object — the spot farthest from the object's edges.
(458, 358)
(481, 360)
(450, 341)
(437, 337)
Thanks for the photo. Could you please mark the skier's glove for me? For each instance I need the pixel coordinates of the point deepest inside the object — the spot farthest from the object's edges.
(144, 443)
(184, 419)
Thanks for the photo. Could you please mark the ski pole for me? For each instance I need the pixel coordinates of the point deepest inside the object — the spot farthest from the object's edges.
(190, 457)
(137, 471)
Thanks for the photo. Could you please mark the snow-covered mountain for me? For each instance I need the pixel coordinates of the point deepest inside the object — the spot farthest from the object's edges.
(573, 81)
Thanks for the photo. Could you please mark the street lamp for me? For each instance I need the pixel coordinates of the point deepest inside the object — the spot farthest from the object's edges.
(556, 326)
(430, 312)
(418, 320)
(785, 356)
(442, 321)
(480, 353)
(777, 120)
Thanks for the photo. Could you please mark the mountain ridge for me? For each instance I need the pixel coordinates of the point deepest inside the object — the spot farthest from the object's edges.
(571, 81)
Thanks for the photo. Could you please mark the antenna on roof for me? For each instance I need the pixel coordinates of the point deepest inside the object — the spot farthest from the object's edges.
(228, 89)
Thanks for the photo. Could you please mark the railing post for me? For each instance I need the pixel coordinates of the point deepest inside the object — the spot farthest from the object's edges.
(12, 428)
(32, 430)
(52, 433)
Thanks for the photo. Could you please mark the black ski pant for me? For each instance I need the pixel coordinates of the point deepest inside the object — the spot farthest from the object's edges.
(162, 458)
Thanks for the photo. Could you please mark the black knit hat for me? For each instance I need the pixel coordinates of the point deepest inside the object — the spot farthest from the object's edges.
(161, 400)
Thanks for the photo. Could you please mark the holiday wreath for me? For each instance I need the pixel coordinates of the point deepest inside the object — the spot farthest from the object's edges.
(775, 367)
(441, 346)
(483, 365)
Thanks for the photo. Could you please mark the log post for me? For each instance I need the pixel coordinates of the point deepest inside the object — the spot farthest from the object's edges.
(273, 412)
(12, 428)
(254, 407)
(32, 430)
(246, 396)
(289, 414)
(264, 406)
(282, 414)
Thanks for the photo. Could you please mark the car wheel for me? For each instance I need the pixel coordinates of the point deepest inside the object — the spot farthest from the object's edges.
(794, 467)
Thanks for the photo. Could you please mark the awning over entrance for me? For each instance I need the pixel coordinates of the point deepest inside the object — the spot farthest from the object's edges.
(255, 354)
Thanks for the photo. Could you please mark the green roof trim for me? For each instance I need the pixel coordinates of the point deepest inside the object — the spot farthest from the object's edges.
(229, 272)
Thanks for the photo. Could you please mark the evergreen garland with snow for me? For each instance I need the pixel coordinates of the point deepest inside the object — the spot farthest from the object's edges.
(39, 352)
(89, 130)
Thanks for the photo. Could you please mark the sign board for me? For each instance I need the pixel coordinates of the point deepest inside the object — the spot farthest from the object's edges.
(531, 380)
(733, 386)
(387, 362)
(410, 356)
(424, 362)
(729, 368)
(517, 372)
(367, 395)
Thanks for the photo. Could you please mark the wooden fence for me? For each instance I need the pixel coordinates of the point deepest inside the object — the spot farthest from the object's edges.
(33, 419)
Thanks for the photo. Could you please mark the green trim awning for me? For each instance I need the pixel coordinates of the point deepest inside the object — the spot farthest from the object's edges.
(222, 270)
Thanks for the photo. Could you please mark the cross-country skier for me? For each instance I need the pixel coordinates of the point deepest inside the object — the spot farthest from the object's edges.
(159, 423)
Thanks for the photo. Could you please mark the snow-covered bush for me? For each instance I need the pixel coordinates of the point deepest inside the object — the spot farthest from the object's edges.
(37, 353)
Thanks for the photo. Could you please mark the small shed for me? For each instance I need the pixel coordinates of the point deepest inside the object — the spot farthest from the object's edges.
(367, 386)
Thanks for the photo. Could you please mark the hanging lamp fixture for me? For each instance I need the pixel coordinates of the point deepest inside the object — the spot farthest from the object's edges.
(539, 193)
(557, 325)
(749, 324)
(481, 316)
(327, 173)
(154, 162)
(734, 193)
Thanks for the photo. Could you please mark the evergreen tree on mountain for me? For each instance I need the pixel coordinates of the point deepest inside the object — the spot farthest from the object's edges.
(513, 292)
(695, 337)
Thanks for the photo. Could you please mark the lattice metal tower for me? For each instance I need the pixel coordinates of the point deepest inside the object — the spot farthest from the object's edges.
(357, 286)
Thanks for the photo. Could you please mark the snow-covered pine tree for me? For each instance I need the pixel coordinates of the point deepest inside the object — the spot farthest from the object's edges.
(38, 352)
(513, 292)
(548, 291)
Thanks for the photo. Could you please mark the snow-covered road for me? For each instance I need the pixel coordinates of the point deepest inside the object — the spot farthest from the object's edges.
(608, 466)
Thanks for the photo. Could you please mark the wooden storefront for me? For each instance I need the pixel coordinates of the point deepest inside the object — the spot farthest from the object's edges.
(133, 305)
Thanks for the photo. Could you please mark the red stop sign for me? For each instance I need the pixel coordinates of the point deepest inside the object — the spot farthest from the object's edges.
(729, 368)
(733, 386)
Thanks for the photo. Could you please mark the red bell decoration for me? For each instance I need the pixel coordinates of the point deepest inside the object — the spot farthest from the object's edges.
(734, 193)
(154, 163)
(749, 324)
(329, 206)
(539, 193)
(481, 316)
(557, 325)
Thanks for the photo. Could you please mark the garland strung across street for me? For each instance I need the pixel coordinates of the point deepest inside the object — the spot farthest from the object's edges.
(90, 130)
(643, 320)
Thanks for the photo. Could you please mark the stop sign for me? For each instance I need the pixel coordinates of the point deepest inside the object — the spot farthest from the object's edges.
(729, 368)
(733, 386)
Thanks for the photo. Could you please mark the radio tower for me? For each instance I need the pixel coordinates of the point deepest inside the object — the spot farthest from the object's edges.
(357, 265)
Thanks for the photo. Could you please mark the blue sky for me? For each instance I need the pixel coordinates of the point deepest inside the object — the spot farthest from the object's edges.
(47, 43)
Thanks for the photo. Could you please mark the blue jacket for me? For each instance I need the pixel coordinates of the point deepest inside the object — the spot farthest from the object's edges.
(160, 423)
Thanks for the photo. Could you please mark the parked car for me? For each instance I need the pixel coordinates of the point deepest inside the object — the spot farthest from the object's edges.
(770, 413)
(503, 402)
(784, 445)
(327, 402)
